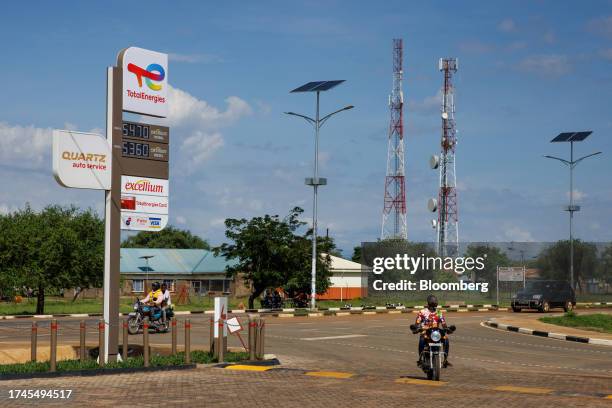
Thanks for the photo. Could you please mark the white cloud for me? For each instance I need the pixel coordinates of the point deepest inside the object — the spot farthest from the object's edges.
(515, 233)
(199, 146)
(507, 25)
(181, 220)
(601, 25)
(25, 146)
(578, 195)
(552, 65)
(187, 110)
(197, 123)
(429, 104)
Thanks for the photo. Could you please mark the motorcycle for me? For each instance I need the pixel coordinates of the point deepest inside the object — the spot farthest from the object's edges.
(136, 318)
(432, 357)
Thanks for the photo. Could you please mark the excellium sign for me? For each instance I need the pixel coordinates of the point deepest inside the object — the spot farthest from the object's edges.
(144, 203)
(145, 82)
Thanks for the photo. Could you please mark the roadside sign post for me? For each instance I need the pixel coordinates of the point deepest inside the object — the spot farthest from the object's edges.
(509, 274)
(132, 160)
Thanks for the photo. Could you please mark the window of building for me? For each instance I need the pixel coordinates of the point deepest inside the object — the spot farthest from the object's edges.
(170, 283)
(137, 285)
(202, 287)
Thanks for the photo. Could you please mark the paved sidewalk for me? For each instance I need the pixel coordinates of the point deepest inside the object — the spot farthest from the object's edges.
(208, 387)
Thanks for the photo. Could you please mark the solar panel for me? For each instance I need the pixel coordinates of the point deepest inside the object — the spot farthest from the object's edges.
(563, 137)
(317, 86)
(571, 136)
(580, 136)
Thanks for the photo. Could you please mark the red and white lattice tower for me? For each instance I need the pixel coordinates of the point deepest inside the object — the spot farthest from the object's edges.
(448, 217)
(394, 211)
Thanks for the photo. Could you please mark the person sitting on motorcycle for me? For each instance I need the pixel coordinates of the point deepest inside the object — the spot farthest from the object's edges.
(154, 298)
(428, 318)
(166, 303)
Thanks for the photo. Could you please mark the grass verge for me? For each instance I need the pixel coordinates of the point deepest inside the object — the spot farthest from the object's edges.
(197, 356)
(598, 322)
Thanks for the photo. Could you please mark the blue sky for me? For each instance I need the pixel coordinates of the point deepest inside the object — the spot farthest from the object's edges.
(527, 70)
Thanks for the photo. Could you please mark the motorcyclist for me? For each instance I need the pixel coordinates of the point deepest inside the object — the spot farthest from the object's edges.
(154, 298)
(428, 318)
(166, 302)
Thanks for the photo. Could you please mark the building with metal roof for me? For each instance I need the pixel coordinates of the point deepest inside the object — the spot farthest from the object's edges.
(197, 270)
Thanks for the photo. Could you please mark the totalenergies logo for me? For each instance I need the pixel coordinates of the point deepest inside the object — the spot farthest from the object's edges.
(153, 73)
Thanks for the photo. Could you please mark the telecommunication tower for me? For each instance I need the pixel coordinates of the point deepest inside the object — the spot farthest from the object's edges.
(394, 210)
(447, 224)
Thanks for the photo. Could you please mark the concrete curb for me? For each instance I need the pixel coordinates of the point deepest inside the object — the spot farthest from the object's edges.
(332, 311)
(558, 336)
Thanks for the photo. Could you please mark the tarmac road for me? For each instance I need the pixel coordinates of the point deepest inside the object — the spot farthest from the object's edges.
(378, 351)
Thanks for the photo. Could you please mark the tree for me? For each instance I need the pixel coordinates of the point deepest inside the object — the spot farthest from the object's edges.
(269, 253)
(48, 251)
(554, 261)
(169, 237)
(493, 257)
(604, 270)
(356, 254)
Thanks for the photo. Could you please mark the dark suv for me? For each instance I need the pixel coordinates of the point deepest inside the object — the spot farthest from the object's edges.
(544, 295)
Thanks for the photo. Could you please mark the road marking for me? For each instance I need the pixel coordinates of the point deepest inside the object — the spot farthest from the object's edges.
(329, 374)
(524, 390)
(240, 367)
(348, 336)
(420, 382)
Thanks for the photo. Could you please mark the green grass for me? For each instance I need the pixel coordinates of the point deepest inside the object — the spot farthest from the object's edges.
(57, 305)
(598, 322)
(197, 356)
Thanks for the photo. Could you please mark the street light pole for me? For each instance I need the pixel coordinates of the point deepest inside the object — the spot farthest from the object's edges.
(315, 185)
(146, 258)
(571, 137)
(315, 182)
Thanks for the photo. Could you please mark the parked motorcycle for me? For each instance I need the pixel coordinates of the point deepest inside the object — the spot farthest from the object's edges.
(432, 357)
(136, 318)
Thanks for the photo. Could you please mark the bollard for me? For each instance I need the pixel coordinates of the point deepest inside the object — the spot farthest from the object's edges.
(252, 329)
(34, 341)
(53, 351)
(211, 340)
(173, 337)
(187, 342)
(82, 332)
(125, 340)
(263, 339)
(145, 334)
(219, 351)
(259, 342)
(258, 339)
(101, 353)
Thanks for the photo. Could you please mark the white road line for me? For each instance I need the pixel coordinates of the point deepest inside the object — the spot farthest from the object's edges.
(348, 336)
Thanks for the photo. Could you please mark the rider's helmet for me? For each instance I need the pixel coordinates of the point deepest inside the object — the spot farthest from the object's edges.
(155, 286)
(432, 302)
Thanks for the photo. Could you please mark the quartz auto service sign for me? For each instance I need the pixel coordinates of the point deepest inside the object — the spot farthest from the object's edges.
(145, 82)
(144, 203)
(81, 160)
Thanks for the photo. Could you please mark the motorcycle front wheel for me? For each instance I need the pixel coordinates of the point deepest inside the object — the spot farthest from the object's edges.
(133, 325)
(435, 370)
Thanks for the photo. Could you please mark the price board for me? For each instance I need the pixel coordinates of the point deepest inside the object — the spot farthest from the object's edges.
(145, 149)
(143, 131)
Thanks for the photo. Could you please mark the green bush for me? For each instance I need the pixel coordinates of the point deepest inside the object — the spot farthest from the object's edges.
(197, 356)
